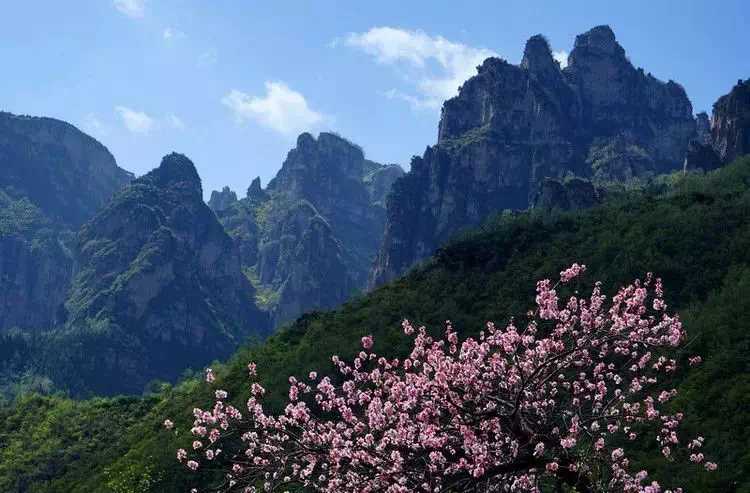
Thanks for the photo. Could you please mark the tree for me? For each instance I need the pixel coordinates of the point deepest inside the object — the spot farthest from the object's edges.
(558, 400)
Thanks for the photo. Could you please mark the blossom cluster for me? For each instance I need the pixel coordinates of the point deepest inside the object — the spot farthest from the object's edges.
(558, 397)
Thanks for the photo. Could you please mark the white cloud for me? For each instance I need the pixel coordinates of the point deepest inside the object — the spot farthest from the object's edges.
(132, 8)
(282, 109)
(562, 57)
(170, 34)
(435, 65)
(137, 122)
(175, 122)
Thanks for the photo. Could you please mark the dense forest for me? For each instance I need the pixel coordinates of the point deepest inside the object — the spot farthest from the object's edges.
(692, 230)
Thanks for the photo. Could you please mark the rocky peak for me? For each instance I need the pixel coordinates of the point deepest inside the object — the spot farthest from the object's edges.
(255, 191)
(537, 57)
(326, 171)
(158, 269)
(69, 175)
(176, 171)
(308, 240)
(315, 159)
(599, 41)
(513, 126)
(220, 201)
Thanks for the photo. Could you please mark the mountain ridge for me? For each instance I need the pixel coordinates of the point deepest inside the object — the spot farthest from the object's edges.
(512, 126)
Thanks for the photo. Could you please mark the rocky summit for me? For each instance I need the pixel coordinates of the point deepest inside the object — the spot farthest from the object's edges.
(159, 288)
(66, 173)
(307, 241)
(511, 127)
(222, 200)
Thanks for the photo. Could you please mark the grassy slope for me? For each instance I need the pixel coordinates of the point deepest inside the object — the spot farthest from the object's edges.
(696, 238)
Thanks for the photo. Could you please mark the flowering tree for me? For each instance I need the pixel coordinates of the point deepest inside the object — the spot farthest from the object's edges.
(555, 400)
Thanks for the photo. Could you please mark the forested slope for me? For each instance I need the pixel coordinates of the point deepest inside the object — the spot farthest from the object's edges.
(693, 231)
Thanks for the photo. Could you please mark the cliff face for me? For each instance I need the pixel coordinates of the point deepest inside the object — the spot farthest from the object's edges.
(66, 173)
(510, 127)
(52, 178)
(307, 241)
(727, 135)
(730, 123)
(160, 286)
(36, 265)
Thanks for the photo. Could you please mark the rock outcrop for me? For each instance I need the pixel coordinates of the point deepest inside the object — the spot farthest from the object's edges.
(727, 136)
(64, 172)
(730, 123)
(160, 286)
(255, 190)
(220, 201)
(512, 126)
(307, 241)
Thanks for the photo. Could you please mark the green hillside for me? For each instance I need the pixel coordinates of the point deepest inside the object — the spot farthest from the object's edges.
(693, 231)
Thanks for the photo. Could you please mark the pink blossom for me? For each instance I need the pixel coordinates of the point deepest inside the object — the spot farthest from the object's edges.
(572, 272)
(367, 342)
(560, 388)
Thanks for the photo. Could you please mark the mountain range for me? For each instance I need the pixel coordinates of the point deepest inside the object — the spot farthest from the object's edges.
(111, 282)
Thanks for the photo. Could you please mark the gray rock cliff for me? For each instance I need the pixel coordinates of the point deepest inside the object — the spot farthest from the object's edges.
(512, 126)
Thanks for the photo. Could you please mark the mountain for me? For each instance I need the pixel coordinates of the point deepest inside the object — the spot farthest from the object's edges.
(159, 286)
(53, 178)
(222, 200)
(66, 173)
(727, 136)
(694, 234)
(511, 127)
(106, 282)
(307, 241)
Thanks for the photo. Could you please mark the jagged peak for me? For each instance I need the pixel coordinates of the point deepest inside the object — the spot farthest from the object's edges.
(223, 199)
(537, 55)
(327, 143)
(305, 139)
(255, 190)
(599, 40)
(492, 63)
(175, 169)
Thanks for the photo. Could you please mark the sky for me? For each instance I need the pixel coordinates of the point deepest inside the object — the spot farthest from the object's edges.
(231, 83)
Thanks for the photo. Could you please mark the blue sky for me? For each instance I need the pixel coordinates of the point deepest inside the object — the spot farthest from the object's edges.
(231, 83)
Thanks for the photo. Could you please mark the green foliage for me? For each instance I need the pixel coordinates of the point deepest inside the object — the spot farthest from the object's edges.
(694, 233)
(53, 443)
